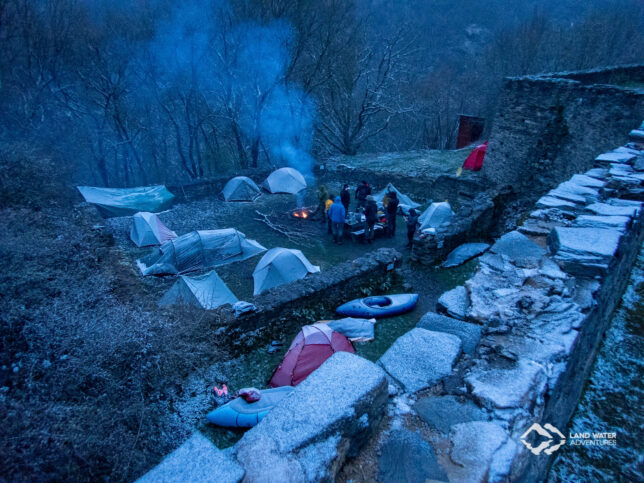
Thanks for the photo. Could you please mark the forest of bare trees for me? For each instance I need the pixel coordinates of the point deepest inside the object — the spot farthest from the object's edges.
(124, 93)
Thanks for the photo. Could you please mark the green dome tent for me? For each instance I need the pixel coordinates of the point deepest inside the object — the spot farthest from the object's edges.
(207, 291)
(240, 188)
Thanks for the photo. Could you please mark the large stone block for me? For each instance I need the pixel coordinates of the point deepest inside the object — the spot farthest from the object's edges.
(506, 388)
(584, 251)
(443, 412)
(325, 419)
(454, 303)
(468, 333)
(518, 248)
(421, 358)
(406, 457)
(195, 460)
(481, 451)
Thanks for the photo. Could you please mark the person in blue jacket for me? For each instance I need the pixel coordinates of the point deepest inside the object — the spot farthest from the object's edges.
(337, 214)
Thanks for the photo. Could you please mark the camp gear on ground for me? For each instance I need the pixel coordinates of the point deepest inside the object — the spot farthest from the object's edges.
(356, 330)
(221, 395)
(313, 345)
(127, 201)
(280, 266)
(379, 306)
(436, 215)
(243, 307)
(241, 414)
(148, 230)
(285, 180)
(474, 161)
(249, 394)
(240, 188)
(206, 291)
(199, 250)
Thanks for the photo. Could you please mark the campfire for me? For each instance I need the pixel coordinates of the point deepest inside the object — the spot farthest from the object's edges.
(301, 213)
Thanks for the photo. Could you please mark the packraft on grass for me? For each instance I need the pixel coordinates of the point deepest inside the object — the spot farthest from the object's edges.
(112, 202)
(313, 345)
(379, 306)
(240, 413)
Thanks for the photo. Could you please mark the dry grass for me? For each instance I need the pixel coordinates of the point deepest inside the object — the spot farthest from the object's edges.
(89, 376)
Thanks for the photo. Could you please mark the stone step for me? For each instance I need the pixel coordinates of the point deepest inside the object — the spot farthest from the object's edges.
(198, 459)
(421, 358)
(470, 334)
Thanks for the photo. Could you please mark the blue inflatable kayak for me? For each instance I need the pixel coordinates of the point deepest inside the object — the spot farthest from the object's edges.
(241, 414)
(379, 306)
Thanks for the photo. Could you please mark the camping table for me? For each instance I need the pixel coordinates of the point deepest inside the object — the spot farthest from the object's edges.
(359, 234)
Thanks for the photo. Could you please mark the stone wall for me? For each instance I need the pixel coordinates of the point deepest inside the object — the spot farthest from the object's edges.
(548, 127)
(283, 308)
(530, 323)
(420, 188)
(211, 186)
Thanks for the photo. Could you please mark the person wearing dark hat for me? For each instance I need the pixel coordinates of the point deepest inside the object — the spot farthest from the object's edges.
(371, 216)
(412, 224)
(345, 196)
(362, 192)
(390, 213)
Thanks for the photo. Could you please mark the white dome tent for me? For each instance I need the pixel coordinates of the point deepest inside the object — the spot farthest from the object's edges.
(280, 266)
(240, 188)
(436, 215)
(285, 180)
(206, 291)
(148, 230)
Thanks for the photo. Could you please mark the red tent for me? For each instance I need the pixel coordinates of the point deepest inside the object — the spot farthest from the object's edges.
(313, 345)
(474, 161)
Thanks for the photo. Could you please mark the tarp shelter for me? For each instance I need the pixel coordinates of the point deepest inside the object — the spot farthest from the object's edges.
(127, 201)
(240, 188)
(356, 330)
(285, 180)
(279, 266)
(405, 203)
(199, 250)
(207, 291)
(313, 345)
(474, 161)
(436, 215)
(147, 230)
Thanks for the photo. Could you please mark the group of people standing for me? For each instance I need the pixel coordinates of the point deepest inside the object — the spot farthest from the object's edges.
(336, 210)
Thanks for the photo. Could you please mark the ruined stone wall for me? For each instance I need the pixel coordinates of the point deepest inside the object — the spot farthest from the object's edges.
(548, 127)
(420, 188)
(288, 307)
(204, 188)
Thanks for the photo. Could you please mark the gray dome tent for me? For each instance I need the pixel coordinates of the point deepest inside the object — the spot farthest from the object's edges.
(285, 180)
(436, 215)
(240, 188)
(207, 291)
(127, 201)
(148, 230)
(199, 250)
(280, 266)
